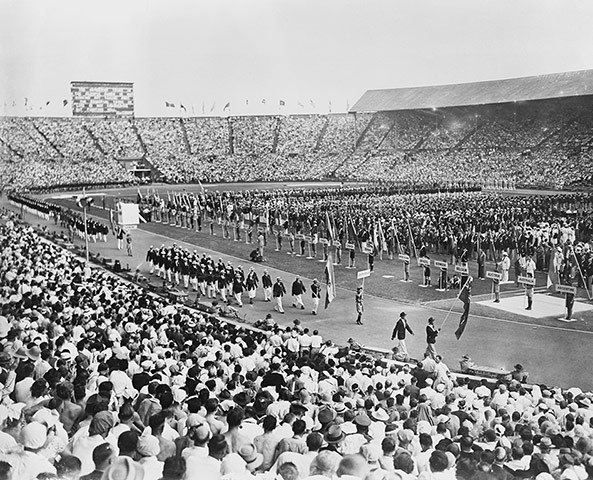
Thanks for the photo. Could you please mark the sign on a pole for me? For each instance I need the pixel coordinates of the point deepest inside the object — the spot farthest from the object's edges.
(440, 264)
(424, 262)
(526, 280)
(363, 274)
(403, 257)
(494, 275)
(461, 269)
(566, 289)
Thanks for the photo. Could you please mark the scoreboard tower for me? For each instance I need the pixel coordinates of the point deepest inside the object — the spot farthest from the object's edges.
(102, 99)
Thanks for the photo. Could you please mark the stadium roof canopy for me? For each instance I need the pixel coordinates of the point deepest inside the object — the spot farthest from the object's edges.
(541, 87)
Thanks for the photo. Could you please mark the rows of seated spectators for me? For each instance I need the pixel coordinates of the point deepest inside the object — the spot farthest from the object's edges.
(24, 140)
(254, 135)
(207, 136)
(408, 130)
(300, 134)
(69, 137)
(102, 380)
(45, 152)
(116, 137)
(339, 137)
(545, 143)
(48, 173)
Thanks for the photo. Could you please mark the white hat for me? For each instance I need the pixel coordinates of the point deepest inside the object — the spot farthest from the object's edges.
(33, 435)
(148, 444)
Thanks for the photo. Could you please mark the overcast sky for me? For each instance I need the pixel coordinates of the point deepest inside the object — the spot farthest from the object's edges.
(199, 52)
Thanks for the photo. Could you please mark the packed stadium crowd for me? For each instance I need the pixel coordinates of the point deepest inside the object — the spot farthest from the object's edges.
(47, 152)
(544, 144)
(103, 380)
(537, 144)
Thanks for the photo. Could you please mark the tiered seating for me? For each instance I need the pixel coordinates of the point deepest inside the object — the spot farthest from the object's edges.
(116, 137)
(545, 143)
(253, 135)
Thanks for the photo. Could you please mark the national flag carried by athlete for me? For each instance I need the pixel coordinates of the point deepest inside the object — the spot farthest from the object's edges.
(553, 279)
(353, 234)
(465, 296)
(329, 227)
(382, 242)
(551, 275)
(84, 201)
(330, 280)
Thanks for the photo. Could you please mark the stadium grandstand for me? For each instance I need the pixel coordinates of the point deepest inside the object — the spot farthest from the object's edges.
(534, 132)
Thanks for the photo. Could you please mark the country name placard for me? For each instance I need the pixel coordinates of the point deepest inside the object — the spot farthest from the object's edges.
(526, 280)
(363, 274)
(566, 289)
(366, 249)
